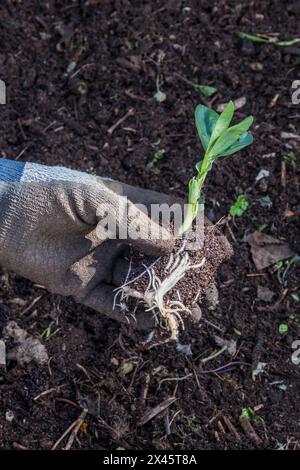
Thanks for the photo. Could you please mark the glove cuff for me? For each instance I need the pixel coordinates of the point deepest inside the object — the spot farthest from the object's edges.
(10, 170)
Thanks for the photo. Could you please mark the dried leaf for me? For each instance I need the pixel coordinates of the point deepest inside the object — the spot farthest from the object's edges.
(265, 294)
(150, 414)
(267, 250)
(27, 348)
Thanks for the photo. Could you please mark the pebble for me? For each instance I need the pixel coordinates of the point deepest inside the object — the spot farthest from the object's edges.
(9, 416)
(2, 354)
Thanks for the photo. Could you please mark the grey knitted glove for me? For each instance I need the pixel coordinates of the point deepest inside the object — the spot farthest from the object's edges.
(52, 231)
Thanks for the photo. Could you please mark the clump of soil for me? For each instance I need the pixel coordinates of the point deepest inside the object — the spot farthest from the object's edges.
(193, 272)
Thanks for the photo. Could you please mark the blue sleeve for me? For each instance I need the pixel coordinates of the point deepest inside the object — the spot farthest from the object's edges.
(10, 170)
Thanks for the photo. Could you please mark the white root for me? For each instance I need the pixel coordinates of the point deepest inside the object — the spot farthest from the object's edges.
(154, 296)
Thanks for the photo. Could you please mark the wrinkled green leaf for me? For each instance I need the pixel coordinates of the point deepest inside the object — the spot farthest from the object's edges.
(205, 90)
(239, 207)
(229, 137)
(283, 328)
(242, 142)
(206, 119)
(222, 124)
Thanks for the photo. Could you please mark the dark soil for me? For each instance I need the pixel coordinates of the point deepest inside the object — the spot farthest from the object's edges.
(120, 48)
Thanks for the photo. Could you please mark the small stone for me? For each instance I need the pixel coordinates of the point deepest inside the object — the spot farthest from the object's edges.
(2, 354)
(196, 313)
(9, 416)
(256, 66)
(212, 295)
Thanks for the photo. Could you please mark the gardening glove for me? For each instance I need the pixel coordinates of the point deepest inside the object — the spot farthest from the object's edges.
(51, 231)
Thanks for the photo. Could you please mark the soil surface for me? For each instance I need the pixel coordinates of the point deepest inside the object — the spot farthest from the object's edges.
(72, 70)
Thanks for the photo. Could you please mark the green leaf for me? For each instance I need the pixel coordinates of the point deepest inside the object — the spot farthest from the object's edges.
(159, 155)
(239, 207)
(252, 37)
(205, 90)
(205, 119)
(283, 328)
(247, 413)
(242, 142)
(229, 137)
(222, 124)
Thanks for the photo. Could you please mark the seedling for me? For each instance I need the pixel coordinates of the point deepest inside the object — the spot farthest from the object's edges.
(283, 328)
(48, 333)
(159, 155)
(205, 90)
(239, 207)
(160, 96)
(269, 40)
(161, 296)
(247, 413)
(218, 140)
(292, 159)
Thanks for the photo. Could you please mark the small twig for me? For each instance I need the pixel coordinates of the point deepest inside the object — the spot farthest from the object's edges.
(145, 389)
(174, 379)
(213, 325)
(119, 122)
(21, 129)
(223, 368)
(68, 402)
(250, 431)
(175, 414)
(64, 434)
(18, 446)
(50, 390)
(75, 431)
(35, 301)
(230, 231)
(213, 356)
(22, 152)
(231, 428)
(75, 426)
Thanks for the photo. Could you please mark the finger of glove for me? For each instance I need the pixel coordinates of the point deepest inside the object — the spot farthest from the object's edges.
(121, 272)
(102, 299)
(137, 195)
(145, 234)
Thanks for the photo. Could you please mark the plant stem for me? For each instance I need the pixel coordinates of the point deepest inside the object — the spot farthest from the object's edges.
(189, 217)
(195, 191)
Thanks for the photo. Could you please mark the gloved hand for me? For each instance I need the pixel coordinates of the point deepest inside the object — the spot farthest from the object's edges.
(51, 232)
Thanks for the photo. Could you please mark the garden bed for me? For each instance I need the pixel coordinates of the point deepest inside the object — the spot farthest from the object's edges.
(52, 117)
